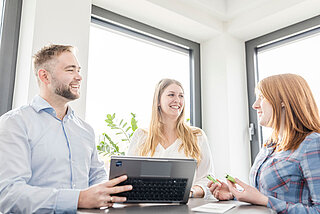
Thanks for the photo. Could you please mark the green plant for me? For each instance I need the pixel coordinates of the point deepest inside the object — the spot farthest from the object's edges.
(124, 130)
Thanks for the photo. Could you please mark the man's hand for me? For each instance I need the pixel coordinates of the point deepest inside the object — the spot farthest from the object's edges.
(99, 195)
(220, 190)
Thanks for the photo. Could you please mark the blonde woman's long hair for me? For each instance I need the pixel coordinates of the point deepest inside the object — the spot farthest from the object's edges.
(187, 134)
(292, 93)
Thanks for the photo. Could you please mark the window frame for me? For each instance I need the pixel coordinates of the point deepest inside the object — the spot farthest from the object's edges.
(265, 42)
(10, 29)
(129, 26)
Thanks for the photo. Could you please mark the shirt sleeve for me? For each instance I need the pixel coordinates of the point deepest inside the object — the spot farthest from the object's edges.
(205, 166)
(97, 172)
(310, 170)
(16, 196)
(136, 141)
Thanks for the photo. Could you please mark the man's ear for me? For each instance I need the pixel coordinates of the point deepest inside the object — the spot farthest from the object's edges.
(44, 76)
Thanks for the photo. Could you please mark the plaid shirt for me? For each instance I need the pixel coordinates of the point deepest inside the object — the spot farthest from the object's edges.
(290, 179)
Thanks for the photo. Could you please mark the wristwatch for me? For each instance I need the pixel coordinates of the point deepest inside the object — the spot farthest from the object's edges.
(192, 192)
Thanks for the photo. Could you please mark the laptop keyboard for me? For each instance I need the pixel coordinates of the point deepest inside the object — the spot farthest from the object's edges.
(155, 189)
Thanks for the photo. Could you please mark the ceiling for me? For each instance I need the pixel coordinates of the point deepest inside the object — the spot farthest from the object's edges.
(201, 20)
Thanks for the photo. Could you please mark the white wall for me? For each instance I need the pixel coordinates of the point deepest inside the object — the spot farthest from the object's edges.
(57, 22)
(224, 101)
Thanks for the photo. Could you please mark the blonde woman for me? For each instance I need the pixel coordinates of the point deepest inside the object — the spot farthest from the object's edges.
(286, 174)
(169, 135)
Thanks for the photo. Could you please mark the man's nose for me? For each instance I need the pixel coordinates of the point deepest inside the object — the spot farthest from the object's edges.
(78, 76)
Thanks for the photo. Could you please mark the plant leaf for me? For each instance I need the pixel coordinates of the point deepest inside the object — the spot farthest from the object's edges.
(134, 123)
(107, 146)
(124, 124)
(109, 116)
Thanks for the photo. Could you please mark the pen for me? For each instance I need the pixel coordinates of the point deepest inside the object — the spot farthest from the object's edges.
(210, 177)
(230, 178)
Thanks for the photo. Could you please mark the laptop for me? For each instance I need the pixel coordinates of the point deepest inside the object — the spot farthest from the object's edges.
(154, 180)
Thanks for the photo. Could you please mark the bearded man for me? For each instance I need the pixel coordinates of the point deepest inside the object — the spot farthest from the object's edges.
(48, 157)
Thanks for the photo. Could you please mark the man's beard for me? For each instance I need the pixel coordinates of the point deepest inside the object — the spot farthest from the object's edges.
(64, 91)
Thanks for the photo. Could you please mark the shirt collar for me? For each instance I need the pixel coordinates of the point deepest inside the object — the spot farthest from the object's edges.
(40, 104)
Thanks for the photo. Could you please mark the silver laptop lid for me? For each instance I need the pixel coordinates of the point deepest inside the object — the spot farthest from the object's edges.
(155, 172)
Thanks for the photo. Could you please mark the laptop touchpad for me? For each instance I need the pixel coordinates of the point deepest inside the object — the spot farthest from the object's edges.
(159, 169)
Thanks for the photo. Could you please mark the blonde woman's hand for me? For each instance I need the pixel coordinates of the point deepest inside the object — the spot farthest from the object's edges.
(220, 190)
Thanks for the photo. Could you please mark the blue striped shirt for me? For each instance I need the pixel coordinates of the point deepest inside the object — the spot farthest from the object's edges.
(290, 179)
(45, 161)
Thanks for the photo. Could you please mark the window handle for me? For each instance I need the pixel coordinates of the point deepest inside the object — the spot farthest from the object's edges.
(251, 130)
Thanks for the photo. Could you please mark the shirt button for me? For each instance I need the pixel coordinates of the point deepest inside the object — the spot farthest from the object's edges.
(73, 185)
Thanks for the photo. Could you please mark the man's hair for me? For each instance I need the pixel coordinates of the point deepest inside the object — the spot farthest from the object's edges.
(291, 93)
(43, 58)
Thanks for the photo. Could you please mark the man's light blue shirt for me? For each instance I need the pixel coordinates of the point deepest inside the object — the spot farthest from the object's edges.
(45, 161)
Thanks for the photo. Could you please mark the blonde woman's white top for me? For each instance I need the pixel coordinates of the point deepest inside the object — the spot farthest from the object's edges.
(203, 169)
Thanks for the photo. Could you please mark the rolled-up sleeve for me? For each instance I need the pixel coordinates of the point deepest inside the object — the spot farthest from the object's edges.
(309, 167)
(206, 165)
(97, 172)
(137, 140)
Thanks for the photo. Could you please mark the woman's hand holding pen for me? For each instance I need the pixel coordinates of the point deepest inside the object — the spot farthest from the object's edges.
(223, 191)
(220, 190)
(248, 194)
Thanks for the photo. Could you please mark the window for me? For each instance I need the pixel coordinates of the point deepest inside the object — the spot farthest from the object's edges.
(291, 50)
(9, 38)
(1, 13)
(299, 57)
(126, 60)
